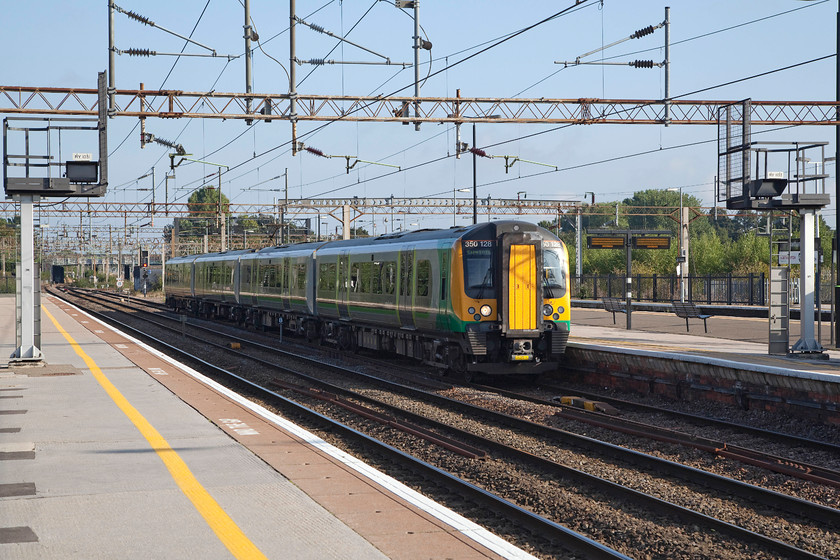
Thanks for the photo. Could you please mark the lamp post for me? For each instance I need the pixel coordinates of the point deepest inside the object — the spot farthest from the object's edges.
(682, 260)
(475, 155)
(836, 159)
(475, 184)
(455, 203)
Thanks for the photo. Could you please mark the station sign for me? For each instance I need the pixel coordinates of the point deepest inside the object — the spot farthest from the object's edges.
(793, 257)
(605, 242)
(651, 242)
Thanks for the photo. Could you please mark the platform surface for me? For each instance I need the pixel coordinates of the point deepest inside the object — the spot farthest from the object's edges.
(100, 458)
(741, 340)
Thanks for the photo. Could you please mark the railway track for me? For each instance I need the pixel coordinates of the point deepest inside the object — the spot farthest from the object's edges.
(787, 465)
(543, 471)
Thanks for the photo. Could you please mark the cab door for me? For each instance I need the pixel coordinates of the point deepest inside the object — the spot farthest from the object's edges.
(521, 284)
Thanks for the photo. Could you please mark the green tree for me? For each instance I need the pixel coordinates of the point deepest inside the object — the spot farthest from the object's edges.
(709, 254)
(204, 203)
(748, 253)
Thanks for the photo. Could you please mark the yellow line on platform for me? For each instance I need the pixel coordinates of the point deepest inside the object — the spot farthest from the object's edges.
(225, 528)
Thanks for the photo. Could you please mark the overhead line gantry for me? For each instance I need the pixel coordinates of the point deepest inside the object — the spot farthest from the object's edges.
(176, 104)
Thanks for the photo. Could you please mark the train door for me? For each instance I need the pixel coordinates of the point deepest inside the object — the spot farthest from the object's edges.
(444, 296)
(521, 286)
(406, 288)
(285, 267)
(343, 285)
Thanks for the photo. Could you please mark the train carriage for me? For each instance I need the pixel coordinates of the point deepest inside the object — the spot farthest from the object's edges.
(179, 281)
(489, 298)
(276, 283)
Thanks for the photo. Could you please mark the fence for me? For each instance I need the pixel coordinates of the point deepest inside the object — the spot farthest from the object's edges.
(725, 290)
(7, 285)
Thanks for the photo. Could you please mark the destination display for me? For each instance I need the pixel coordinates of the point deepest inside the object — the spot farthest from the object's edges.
(604, 242)
(651, 242)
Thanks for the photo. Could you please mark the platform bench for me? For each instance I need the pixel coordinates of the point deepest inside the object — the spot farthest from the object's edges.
(687, 310)
(614, 305)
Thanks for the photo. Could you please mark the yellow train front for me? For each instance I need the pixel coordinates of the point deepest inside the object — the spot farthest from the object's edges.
(510, 299)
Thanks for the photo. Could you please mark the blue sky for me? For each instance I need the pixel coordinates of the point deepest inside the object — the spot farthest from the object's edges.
(64, 44)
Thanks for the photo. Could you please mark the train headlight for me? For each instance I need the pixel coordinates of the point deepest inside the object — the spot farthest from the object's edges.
(547, 310)
(560, 309)
(485, 310)
(471, 310)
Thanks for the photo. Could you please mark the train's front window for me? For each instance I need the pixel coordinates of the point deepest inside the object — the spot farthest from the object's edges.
(479, 271)
(554, 272)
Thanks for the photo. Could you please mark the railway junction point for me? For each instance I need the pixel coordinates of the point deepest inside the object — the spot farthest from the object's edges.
(107, 450)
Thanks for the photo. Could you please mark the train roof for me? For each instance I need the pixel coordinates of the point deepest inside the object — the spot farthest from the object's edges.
(486, 230)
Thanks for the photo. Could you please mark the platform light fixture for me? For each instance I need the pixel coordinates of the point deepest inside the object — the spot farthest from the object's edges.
(682, 260)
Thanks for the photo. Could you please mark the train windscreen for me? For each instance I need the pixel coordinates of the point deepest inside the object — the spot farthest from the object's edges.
(554, 272)
(479, 269)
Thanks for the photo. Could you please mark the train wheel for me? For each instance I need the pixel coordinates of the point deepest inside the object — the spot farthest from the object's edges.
(311, 331)
(458, 364)
(345, 340)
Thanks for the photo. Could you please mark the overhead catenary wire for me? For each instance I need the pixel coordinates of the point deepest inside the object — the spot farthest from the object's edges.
(555, 129)
(127, 136)
(686, 40)
(503, 39)
(558, 128)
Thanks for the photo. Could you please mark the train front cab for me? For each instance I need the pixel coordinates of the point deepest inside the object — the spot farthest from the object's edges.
(513, 298)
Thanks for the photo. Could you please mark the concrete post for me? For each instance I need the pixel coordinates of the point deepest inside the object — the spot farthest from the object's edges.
(27, 351)
(806, 342)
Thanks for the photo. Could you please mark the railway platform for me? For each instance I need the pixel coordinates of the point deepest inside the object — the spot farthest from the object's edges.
(112, 450)
(730, 363)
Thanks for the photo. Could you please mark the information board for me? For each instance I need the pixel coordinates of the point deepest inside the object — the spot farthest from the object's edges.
(651, 242)
(604, 242)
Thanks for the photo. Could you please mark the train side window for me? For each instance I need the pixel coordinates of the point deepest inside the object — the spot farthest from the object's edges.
(326, 276)
(376, 277)
(406, 276)
(323, 276)
(389, 277)
(301, 276)
(365, 277)
(355, 278)
(270, 274)
(424, 277)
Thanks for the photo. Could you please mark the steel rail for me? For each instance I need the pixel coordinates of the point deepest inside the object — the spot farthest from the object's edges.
(630, 405)
(781, 465)
(541, 526)
(554, 469)
(658, 465)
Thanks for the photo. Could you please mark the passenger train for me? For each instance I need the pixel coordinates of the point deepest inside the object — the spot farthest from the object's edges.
(490, 298)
